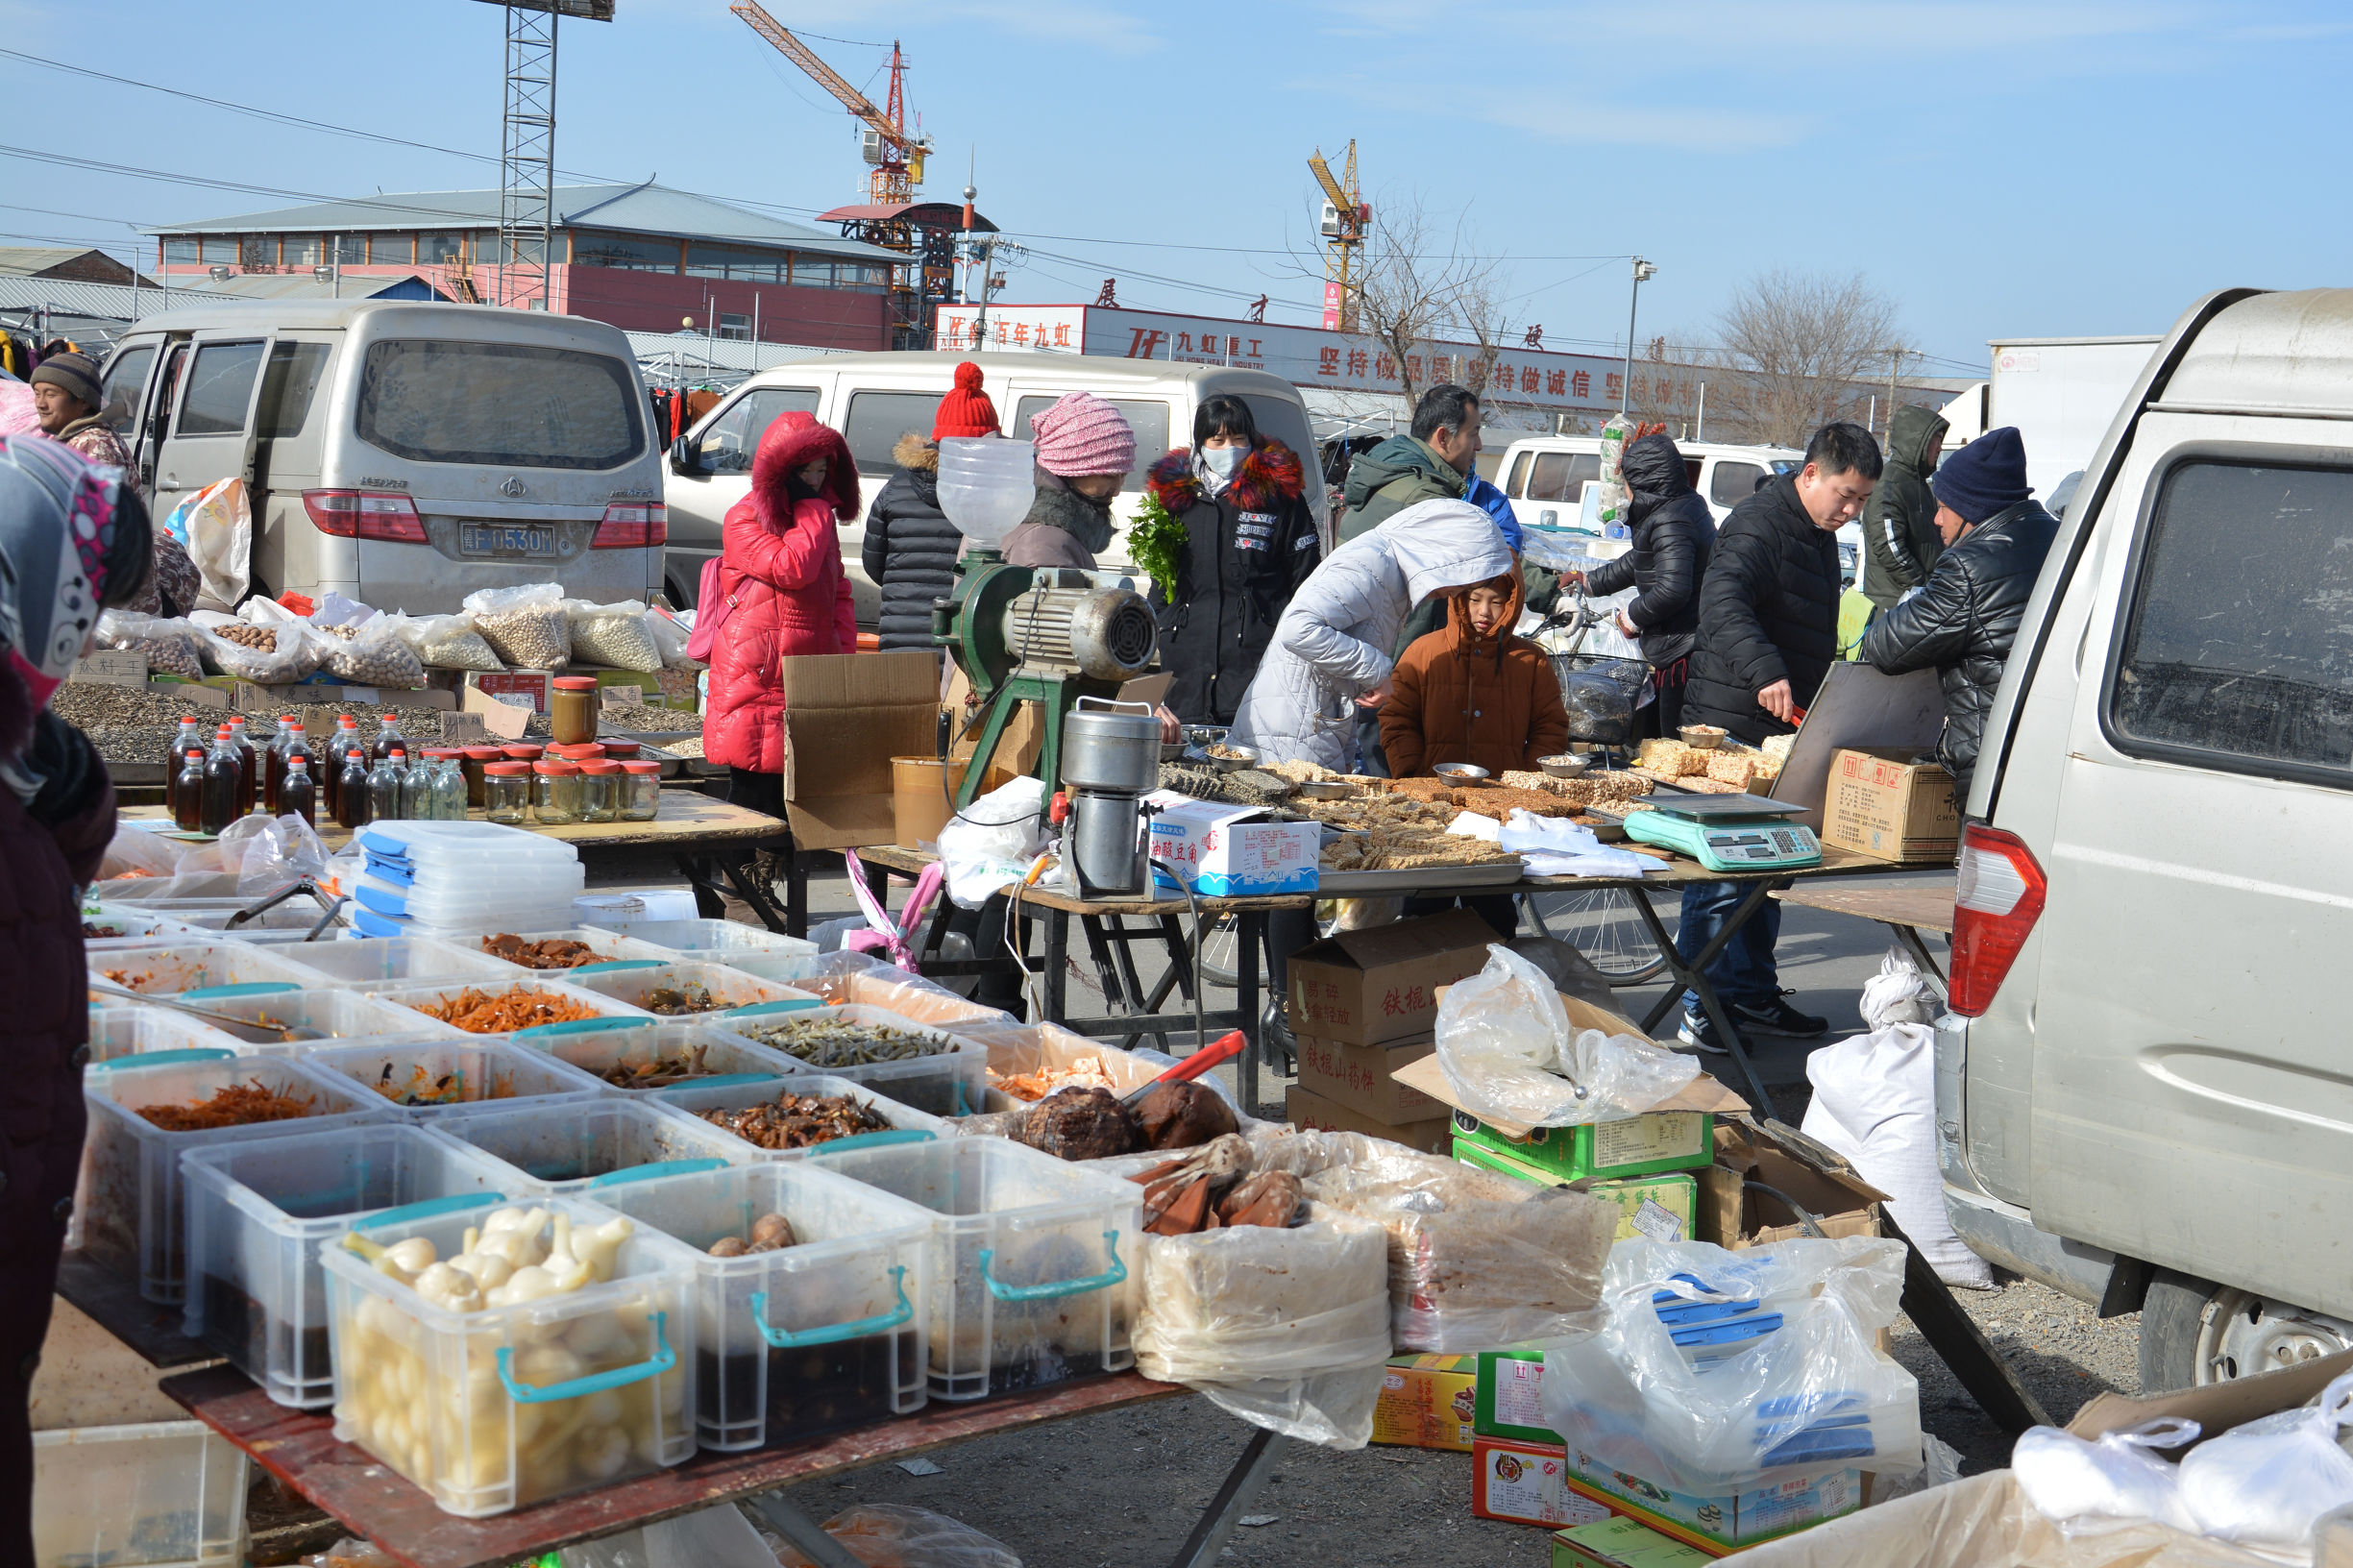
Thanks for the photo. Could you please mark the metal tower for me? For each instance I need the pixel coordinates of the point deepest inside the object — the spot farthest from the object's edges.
(1345, 220)
(526, 145)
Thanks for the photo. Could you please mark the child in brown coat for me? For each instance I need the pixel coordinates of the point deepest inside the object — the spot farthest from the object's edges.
(1474, 691)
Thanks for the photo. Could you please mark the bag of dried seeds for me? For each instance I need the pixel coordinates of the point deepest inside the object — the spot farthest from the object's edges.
(525, 626)
(173, 647)
(613, 635)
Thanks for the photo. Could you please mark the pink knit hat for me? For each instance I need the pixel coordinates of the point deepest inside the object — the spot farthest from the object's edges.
(1082, 434)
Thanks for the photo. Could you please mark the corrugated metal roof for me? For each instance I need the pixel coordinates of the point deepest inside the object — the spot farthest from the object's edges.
(23, 260)
(642, 208)
(299, 285)
(96, 302)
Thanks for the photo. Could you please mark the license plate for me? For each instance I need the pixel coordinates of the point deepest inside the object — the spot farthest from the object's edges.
(505, 539)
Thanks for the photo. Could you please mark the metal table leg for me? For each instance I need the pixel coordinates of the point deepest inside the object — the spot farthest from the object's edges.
(1249, 932)
(1241, 1488)
(1056, 999)
(1098, 948)
(1695, 976)
(802, 1531)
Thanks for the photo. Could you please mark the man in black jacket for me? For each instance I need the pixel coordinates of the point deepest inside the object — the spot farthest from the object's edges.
(1674, 533)
(1899, 538)
(1964, 620)
(1768, 635)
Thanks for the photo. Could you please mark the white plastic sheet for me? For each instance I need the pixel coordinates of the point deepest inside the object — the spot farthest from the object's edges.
(2071, 1480)
(992, 842)
(1509, 1054)
(2267, 1483)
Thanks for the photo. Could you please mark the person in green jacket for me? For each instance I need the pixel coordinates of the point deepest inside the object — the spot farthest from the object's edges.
(1899, 538)
(1433, 463)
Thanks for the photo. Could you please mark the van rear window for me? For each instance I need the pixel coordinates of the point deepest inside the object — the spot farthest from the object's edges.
(508, 405)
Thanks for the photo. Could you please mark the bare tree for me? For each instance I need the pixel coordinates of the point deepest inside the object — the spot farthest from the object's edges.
(1806, 344)
(1411, 285)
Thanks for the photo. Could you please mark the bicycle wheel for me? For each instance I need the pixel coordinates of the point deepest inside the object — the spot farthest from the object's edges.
(1217, 954)
(1605, 927)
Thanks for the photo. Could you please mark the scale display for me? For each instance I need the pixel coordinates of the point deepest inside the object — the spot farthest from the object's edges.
(1722, 844)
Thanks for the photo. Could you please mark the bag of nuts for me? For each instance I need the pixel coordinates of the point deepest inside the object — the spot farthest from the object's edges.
(370, 654)
(173, 647)
(278, 655)
(525, 626)
(448, 642)
(613, 635)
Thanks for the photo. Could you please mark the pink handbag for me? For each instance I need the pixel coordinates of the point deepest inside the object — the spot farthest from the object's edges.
(712, 610)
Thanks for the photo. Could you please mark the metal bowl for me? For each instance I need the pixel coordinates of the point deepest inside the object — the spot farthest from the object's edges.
(1462, 772)
(1702, 736)
(1567, 764)
(1326, 790)
(1240, 757)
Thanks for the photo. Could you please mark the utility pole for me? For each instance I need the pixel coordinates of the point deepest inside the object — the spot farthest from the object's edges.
(1644, 270)
(1895, 358)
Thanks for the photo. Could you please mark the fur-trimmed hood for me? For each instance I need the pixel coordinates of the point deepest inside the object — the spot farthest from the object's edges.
(793, 441)
(918, 452)
(1268, 477)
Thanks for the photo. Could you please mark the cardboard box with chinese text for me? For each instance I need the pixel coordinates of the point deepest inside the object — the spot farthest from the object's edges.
(1619, 1542)
(1663, 1207)
(1307, 1109)
(845, 716)
(1358, 1077)
(1735, 1214)
(1526, 1483)
(1887, 805)
(1717, 1523)
(1380, 985)
(1505, 1403)
(1224, 852)
(1426, 1402)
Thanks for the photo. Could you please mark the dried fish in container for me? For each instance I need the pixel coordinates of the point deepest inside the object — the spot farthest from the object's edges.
(660, 1071)
(423, 1087)
(670, 1001)
(553, 953)
(479, 1012)
(840, 1042)
(800, 1121)
(232, 1105)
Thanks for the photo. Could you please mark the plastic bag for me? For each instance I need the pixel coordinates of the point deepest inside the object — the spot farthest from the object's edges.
(1939, 1466)
(1805, 1390)
(216, 526)
(992, 842)
(134, 852)
(890, 1535)
(2267, 1483)
(2114, 1477)
(1898, 994)
(173, 647)
(1476, 1259)
(1875, 1104)
(671, 635)
(1508, 1051)
(1288, 1329)
(613, 635)
(291, 655)
(1614, 500)
(370, 654)
(525, 626)
(281, 849)
(448, 642)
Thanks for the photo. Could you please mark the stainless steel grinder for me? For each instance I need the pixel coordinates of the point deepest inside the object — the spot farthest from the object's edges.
(1109, 762)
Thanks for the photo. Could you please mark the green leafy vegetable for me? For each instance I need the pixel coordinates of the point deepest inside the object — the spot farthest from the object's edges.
(1156, 539)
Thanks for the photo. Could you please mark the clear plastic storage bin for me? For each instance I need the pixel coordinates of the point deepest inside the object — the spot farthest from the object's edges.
(377, 961)
(827, 1333)
(214, 914)
(607, 946)
(109, 926)
(495, 1409)
(439, 992)
(1033, 1261)
(948, 1080)
(423, 1079)
(199, 971)
(713, 940)
(336, 1015)
(594, 1145)
(624, 1054)
(639, 982)
(166, 1494)
(133, 1030)
(131, 1199)
(691, 1100)
(257, 1213)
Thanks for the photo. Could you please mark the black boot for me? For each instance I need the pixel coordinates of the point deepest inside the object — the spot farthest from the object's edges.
(1278, 1048)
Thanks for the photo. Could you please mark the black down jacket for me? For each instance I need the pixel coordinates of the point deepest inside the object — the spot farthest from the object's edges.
(1767, 612)
(1963, 622)
(1244, 554)
(910, 549)
(1900, 537)
(1674, 534)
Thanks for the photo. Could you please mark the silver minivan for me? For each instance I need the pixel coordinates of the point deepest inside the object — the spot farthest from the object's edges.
(2145, 1094)
(404, 453)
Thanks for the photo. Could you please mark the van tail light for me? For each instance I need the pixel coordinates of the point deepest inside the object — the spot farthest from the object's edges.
(1997, 896)
(364, 514)
(633, 524)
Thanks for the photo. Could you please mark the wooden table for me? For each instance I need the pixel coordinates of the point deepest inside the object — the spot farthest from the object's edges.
(1906, 912)
(1102, 923)
(709, 840)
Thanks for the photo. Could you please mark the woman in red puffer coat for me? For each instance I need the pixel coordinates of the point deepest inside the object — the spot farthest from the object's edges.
(780, 570)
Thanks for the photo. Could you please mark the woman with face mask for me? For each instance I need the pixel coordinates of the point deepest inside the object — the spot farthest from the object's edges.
(1085, 450)
(1249, 541)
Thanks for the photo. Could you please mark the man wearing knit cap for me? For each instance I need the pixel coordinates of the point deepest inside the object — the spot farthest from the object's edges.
(910, 547)
(1965, 617)
(1085, 451)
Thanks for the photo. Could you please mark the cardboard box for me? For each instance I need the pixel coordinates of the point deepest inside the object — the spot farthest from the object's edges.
(1305, 1108)
(110, 667)
(1504, 1402)
(1526, 1483)
(526, 688)
(1883, 804)
(1225, 852)
(1664, 1207)
(1617, 1542)
(1426, 1402)
(1716, 1523)
(845, 716)
(1380, 985)
(1737, 1216)
(504, 719)
(1357, 1078)
(194, 693)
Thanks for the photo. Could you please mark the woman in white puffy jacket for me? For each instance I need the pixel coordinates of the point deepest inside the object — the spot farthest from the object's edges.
(1330, 654)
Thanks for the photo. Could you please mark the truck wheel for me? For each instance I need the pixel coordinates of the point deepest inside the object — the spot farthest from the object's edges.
(2194, 1332)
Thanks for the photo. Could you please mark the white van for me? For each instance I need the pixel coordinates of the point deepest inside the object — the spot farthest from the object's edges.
(2144, 1091)
(873, 399)
(403, 453)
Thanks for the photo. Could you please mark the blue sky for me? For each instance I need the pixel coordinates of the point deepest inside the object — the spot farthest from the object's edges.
(1999, 168)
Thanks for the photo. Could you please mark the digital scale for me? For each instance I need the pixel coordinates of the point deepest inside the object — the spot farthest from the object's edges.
(1727, 832)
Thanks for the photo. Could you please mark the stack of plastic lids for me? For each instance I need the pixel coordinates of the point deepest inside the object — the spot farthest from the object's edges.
(430, 878)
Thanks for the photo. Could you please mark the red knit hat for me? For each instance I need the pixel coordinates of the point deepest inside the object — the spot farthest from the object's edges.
(965, 411)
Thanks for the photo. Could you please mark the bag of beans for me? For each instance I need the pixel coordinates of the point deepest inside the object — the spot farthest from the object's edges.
(370, 653)
(525, 626)
(448, 642)
(173, 647)
(267, 656)
(613, 635)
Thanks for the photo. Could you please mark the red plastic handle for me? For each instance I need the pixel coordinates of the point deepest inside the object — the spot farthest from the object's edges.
(1224, 1048)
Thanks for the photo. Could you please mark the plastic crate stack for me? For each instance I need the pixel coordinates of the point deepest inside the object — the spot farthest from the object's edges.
(425, 879)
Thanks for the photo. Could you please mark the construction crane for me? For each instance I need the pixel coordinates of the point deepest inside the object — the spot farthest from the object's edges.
(897, 158)
(1345, 218)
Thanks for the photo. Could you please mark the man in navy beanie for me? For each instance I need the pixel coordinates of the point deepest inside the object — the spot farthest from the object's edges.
(1964, 617)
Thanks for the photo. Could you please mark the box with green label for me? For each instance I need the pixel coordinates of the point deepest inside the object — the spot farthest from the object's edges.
(1619, 1542)
(1656, 1140)
(1663, 1207)
(1503, 1400)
